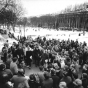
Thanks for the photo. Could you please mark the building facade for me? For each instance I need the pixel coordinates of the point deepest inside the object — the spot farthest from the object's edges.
(78, 19)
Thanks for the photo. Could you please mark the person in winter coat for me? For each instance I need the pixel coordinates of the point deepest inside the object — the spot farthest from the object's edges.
(55, 78)
(48, 82)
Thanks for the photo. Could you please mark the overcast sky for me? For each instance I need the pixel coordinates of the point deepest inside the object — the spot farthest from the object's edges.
(42, 7)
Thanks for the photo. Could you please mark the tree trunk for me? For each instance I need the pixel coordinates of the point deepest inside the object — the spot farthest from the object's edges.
(13, 26)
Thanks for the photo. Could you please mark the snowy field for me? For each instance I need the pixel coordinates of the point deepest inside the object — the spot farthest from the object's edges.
(53, 34)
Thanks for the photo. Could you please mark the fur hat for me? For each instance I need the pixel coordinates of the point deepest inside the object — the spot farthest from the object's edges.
(77, 82)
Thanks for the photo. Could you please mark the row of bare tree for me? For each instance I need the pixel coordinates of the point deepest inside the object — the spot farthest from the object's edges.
(80, 7)
(52, 20)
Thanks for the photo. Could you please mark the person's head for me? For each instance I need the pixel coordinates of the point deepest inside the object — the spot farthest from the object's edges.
(85, 67)
(15, 59)
(41, 68)
(77, 82)
(50, 66)
(65, 73)
(75, 75)
(48, 51)
(66, 54)
(68, 59)
(84, 75)
(4, 49)
(46, 75)
(2, 66)
(21, 72)
(72, 67)
(45, 69)
(9, 56)
(7, 41)
(31, 77)
(46, 61)
(66, 68)
(48, 70)
(53, 72)
(62, 85)
(55, 61)
(14, 43)
(4, 77)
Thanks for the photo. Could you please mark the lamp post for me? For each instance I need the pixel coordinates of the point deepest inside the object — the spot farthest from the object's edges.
(24, 31)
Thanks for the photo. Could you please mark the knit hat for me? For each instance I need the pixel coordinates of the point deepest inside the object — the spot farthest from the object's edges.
(77, 82)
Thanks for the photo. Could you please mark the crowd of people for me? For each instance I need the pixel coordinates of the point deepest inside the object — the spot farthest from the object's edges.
(62, 64)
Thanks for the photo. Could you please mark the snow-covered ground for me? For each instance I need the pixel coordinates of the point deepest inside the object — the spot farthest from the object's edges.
(52, 34)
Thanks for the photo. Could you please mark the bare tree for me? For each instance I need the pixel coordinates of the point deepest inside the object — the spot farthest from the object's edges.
(10, 8)
(68, 9)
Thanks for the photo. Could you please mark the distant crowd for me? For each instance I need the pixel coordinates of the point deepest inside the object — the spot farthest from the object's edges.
(62, 64)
